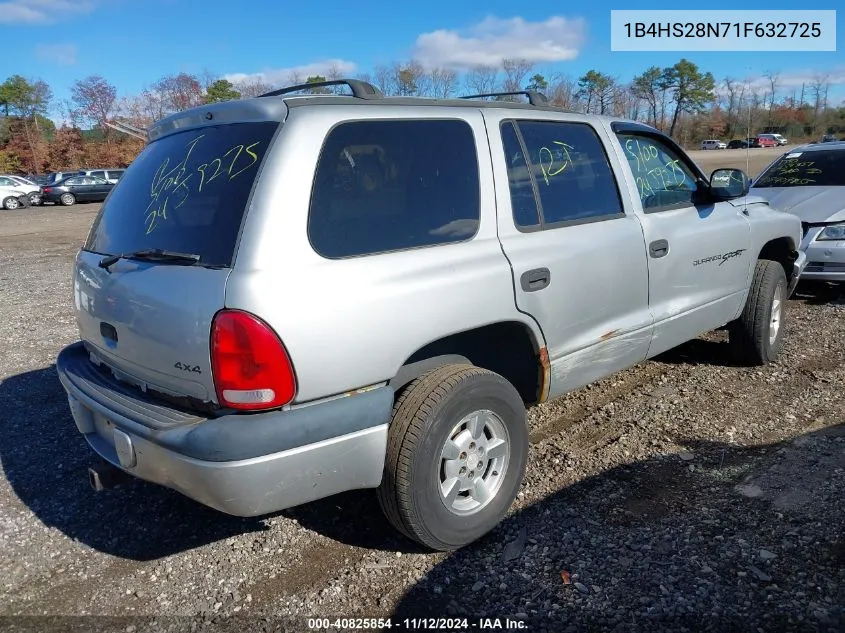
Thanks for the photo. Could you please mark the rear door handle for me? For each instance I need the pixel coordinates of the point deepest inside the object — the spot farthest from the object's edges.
(535, 279)
(658, 248)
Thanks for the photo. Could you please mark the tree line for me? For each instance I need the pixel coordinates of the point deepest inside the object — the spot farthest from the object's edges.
(681, 100)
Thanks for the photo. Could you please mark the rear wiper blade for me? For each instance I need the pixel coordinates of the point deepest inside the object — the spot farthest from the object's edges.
(151, 254)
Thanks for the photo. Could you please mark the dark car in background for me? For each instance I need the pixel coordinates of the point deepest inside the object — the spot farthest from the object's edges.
(75, 189)
(38, 179)
(739, 143)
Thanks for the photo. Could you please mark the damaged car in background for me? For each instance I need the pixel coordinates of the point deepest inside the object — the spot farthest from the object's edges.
(810, 183)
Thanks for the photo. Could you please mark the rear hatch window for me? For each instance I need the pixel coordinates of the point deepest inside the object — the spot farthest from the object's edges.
(185, 193)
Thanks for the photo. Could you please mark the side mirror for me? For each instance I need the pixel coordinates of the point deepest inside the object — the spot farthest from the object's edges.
(726, 184)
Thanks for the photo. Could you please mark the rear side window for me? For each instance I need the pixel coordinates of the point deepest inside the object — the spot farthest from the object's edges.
(564, 167)
(186, 192)
(384, 186)
(98, 174)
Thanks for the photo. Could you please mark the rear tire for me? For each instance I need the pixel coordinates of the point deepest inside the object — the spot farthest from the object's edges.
(456, 455)
(756, 337)
(67, 199)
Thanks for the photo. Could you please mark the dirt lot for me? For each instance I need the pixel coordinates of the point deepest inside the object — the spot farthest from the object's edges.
(684, 494)
(752, 161)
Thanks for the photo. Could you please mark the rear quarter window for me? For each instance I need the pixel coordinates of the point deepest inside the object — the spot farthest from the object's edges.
(383, 186)
(186, 192)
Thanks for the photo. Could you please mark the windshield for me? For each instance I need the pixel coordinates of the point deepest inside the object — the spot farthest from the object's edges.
(808, 169)
(186, 193)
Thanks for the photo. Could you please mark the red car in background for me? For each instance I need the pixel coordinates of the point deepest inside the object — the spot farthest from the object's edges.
(765, 141)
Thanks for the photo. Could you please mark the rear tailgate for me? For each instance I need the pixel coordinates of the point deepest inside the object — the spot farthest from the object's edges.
(150, 320)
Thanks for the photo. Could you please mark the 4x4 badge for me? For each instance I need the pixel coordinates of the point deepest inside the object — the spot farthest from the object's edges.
(185, 367)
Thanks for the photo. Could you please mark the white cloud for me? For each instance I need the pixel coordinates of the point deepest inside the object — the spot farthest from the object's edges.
(794, 79)
(494, 39)
(41, 11)
(283, 76)
(64, 54)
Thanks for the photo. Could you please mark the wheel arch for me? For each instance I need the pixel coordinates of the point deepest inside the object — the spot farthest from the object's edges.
(509, 348)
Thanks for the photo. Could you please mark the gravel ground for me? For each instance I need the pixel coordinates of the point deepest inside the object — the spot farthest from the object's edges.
(684, 494)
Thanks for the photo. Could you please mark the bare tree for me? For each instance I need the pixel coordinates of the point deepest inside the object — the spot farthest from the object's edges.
(207, 77)
(384, 77)
(626, 103)
(732, 99)
(442, 82)
(482, 79)
(408, 79)
(819, 88)
(515, 72)
(94, 98)
(773, 84)
(252, 87)
(334, 74)
(561, 91)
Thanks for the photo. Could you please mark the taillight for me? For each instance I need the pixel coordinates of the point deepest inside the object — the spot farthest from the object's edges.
(250, 365)
(48, 189)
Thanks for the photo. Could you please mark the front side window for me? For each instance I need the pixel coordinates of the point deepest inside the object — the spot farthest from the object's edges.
(564, 167)
(663, 180)
(384, 186)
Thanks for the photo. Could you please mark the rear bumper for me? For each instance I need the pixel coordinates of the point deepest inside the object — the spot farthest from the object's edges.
(245, 465)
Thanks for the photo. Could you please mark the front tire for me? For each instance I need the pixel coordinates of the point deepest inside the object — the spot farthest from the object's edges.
(67, 199)
(11, 203)
(756, 337)
(456, 455)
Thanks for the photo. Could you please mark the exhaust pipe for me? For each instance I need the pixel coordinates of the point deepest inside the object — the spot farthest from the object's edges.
(104, 476)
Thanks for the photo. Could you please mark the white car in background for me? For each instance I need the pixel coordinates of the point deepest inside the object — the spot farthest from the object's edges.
(713, 144)
(22, 186)
(11, 199)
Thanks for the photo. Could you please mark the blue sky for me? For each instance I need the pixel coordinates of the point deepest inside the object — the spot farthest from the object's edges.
(132, 43)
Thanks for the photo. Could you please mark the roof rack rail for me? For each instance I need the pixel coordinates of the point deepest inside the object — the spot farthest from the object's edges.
(534, 98)
(360, 89)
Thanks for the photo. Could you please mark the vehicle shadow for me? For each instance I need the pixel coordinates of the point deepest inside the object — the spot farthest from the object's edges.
(353, 518)
(45, 461)
(819, 293)
(720, 543)
(713, 348)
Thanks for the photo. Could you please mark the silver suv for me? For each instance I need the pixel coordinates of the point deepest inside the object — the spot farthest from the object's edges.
(291, 296)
